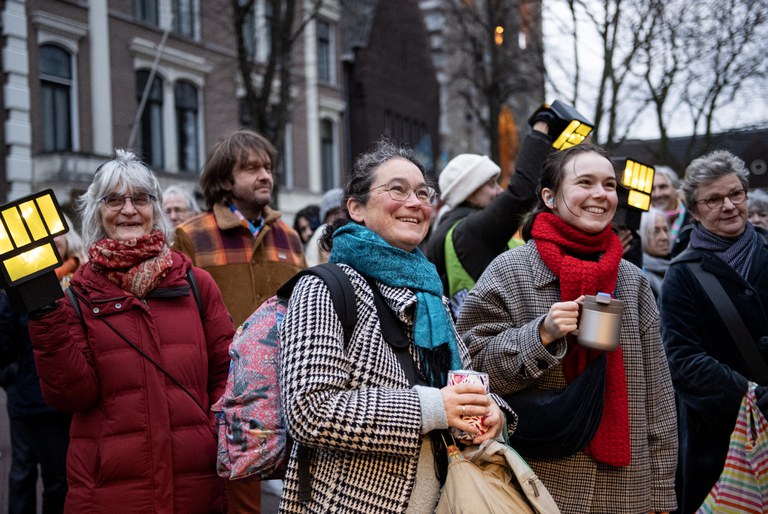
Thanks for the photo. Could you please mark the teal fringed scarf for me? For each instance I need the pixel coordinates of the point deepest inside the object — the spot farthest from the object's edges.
(370, 255)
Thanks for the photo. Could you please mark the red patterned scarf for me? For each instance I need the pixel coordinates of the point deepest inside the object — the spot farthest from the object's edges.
(561, 246)
(135, 265)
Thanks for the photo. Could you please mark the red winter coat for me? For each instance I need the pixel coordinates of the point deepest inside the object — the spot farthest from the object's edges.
(138, 443)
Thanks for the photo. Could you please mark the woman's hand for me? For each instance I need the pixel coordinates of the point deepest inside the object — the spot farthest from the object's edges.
(561, 319)
(468, 399)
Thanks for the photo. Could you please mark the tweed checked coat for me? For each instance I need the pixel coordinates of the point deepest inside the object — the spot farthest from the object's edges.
(353, 406)
(500, 325)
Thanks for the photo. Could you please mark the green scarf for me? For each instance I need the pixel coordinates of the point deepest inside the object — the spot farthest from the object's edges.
(371, 256)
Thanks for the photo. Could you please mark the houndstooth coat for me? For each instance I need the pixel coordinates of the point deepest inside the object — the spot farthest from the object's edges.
(500, 324)
(353, 406)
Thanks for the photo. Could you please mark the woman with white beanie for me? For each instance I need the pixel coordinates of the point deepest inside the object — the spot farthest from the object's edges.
(481, 217)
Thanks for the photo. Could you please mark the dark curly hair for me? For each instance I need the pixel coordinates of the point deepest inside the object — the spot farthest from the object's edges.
(359, 181)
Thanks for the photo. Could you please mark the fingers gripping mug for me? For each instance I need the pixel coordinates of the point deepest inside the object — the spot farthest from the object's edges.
(600, 322)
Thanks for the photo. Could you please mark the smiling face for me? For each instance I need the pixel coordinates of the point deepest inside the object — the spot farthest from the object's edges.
(252, 183)
(587, 197)
(128, 222)
(401, 224)
(663, 195)
(728, 220)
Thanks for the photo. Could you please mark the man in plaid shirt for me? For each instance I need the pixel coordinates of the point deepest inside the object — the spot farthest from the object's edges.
(242, 243)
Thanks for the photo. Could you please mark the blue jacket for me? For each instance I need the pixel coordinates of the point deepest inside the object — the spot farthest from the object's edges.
(709, 375)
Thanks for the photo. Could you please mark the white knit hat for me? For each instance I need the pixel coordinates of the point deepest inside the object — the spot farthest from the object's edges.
(464, 175)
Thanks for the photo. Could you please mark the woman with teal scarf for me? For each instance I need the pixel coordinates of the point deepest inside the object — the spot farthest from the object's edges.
(368, 431)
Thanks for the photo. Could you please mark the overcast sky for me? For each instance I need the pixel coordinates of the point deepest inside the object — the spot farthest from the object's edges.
(745, 111)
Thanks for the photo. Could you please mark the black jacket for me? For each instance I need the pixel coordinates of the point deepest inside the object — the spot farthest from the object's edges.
(484, 233)
(708, 372)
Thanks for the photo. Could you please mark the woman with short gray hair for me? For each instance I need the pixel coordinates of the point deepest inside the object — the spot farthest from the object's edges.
(758, 207)
(137, 354)
(709, 372)
(116, 176)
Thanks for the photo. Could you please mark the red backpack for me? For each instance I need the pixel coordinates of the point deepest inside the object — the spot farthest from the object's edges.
(252, 438)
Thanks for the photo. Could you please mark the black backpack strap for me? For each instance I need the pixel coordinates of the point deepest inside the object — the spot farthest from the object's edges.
(342, 293)
(343, 298)
(393, 333)
(733, 321)
(195, 293)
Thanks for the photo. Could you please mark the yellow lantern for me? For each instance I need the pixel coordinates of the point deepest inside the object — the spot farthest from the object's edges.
(28, 255)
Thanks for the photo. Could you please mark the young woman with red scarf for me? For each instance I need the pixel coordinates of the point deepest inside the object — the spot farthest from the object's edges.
(141, 363)
(518, 323)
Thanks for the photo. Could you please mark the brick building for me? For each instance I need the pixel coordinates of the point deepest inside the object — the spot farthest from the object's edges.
(76, 70)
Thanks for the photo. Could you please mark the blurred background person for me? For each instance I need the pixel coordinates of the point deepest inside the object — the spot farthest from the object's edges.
(665, 195)
(479, 215)
(351, 403)
(141, 362)
(39, 433)
(179, 204)
(708, 370)
(306, 222)
(758, 208)
(654, 234)
(330, 210)
(518, 323)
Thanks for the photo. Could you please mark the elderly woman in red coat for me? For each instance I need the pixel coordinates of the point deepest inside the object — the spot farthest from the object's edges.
(141, 364)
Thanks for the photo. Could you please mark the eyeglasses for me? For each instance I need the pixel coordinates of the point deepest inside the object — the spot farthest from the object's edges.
(116, 202)
(176, 210)
(400, 192)
(715, 202)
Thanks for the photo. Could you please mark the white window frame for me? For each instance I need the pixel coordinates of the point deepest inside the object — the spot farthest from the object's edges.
(56, 30)
(174, 65)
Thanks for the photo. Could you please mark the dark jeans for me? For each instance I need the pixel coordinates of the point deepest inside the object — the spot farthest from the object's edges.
(38, 440)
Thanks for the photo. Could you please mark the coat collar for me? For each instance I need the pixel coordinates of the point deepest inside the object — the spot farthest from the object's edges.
(542, 275)
(226, 220)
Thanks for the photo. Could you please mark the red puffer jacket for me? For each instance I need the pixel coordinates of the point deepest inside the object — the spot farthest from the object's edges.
(138, 442)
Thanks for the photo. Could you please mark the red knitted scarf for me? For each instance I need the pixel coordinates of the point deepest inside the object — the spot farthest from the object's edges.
(561, 246)
(135, 265)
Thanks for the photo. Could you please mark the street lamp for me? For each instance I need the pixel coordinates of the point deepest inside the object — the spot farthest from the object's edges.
(28, 255)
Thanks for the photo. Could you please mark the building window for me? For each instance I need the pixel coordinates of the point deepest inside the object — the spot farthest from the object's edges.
(146, 10)
(56, 91)
(186, 125)
(249, 31)
(151, 124)
(324, 52)
(328, 168)
(183, 17)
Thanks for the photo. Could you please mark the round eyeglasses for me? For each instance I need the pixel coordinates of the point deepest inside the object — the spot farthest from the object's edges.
(116, 202)
(400, 192)
(715, 202)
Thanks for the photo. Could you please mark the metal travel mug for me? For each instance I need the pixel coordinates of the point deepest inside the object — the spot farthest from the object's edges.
(600, 322)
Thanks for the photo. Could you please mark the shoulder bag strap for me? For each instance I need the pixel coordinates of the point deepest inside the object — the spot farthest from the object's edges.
(739, 333)
(74, 297)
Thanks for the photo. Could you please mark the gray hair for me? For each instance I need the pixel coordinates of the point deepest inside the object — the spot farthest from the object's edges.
(118, 175)
(758, 200)
(707, 169)
(75, 245)
(184, 192)
(647, 224)
(670, 174)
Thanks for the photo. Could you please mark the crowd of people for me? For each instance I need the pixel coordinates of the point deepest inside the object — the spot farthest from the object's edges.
(110, 388)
